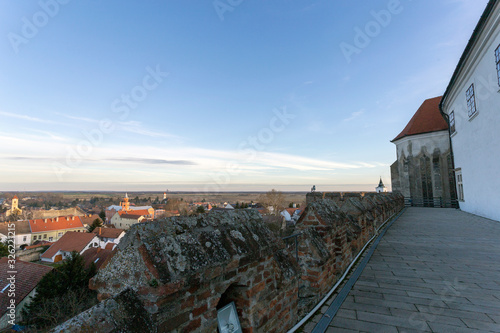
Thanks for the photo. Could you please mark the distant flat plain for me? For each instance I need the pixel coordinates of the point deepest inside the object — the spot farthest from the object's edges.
(215, 197)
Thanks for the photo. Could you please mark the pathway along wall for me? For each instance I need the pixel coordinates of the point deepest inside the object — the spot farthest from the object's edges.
(173, 275)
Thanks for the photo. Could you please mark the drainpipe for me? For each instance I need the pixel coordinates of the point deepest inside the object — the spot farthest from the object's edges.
(447, 119)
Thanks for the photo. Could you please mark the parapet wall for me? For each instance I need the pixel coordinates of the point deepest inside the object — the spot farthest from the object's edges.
(179, 271)
(49, 214)
(334, 228)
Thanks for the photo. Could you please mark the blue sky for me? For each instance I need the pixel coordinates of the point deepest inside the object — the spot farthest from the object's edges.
(217, 95)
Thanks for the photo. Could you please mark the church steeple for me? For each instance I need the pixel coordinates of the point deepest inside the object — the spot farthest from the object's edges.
(381, 183)
(381, 187)
(125, 203)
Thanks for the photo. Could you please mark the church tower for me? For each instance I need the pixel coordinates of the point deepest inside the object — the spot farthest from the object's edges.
(125, 203)
(14, 209)
(381, 187)
(15, 204)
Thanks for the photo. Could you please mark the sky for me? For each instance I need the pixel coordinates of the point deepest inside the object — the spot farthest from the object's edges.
(224, 95)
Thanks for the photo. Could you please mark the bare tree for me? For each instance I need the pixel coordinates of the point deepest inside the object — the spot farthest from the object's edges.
(273, 201)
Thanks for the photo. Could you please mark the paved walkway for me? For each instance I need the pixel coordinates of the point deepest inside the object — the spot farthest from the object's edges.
(435, 270)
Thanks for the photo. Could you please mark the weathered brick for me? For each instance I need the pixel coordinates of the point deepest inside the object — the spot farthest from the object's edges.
(200, 310)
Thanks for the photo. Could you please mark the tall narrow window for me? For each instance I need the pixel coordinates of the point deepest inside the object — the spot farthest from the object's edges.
(460, 186)
(497, 59)
(471, 100)
(452, 122)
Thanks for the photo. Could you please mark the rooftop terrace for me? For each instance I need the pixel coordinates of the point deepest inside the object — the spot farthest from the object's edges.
(435, 270)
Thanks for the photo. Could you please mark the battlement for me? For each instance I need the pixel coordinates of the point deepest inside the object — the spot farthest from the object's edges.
(179, 271)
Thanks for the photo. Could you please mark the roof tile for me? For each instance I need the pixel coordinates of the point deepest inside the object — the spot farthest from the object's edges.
(427, 119)
(70, 241)
(56, 223)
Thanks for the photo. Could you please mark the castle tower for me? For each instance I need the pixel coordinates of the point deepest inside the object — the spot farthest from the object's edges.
(381, 187)
(125, 203)
(164, 195)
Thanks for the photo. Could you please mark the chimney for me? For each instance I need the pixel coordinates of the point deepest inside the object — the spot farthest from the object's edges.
(57, 219)
(46, 220)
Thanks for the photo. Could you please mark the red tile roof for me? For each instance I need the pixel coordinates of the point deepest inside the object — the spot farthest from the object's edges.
(427, 119)
(96, 253)
(135, 212)
(89, 219)
(70, 241)
(291, 211)
(56, 223)
(38, 244)
(110, 246)
(27, 277)
(130, 216)
(108, 232)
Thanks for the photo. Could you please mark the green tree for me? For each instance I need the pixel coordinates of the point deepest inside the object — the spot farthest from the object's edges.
(102, 215)
(200, 210)
(61, 294)
(97, 223)
(4, 250)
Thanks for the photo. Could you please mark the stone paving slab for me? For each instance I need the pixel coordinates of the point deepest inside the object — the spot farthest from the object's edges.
(435, 270)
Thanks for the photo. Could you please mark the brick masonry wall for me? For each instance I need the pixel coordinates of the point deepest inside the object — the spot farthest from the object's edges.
(335, 227)
(176, 273)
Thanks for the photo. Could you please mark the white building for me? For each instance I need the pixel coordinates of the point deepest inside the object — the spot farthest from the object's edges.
(109, 237)
(69, 242)
(21, 231)
(423, 171)
(381, 187)
(124, 220)
(472, 105)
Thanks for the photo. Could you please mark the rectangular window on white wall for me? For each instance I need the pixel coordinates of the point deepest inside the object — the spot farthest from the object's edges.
(452, 122)
(460, 186)
(471, 100)
(497, 60)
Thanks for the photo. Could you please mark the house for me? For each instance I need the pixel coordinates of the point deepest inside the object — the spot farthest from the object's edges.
(23, 288)
(291, 214)
(97, 256)
(109, 236)
(21, 230)
(471, 106)
(124, 219)
(88, 219)
(52, 229)
(227, 206)
(423, 171)
(69, 242)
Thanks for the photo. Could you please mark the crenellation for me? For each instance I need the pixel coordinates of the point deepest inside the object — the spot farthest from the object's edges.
(181, 270)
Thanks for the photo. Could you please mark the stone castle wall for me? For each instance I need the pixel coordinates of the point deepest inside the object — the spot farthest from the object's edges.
(179, 271)
(52, 213)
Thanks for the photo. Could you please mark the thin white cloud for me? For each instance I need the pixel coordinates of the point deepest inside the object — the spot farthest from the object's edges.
(138, 128)
(88, 120)
(355, 115)
(25, 117)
